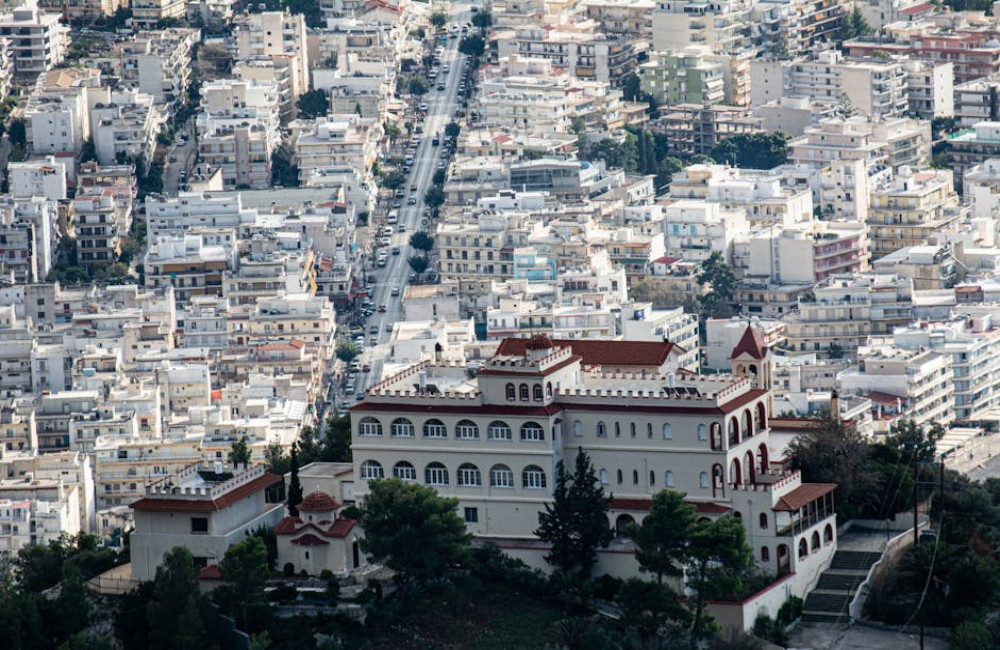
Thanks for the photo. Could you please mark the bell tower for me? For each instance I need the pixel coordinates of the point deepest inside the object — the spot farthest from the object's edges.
(752, 358)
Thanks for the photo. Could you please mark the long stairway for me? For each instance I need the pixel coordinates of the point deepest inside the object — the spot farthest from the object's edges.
(830, 601)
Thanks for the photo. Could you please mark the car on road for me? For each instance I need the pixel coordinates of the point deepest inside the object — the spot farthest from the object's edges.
(381, 309)
(440, 86)
(173, 158)
(413, 187)
(388, 230)
(402, 227)
(395, 291)
(423, 108)
(359, 397)
(373, 329)
(366, 368)
(411, 201)
(397, 204)
(400, 193)
(395, 250)
(359, 341)
(381, 261)
(445, 68)
(386, 240)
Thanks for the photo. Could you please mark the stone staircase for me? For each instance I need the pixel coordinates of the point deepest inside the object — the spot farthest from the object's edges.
(830, 601)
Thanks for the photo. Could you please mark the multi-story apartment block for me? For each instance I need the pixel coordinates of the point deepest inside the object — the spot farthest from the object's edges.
(204, 509)
(493, 442)
(930, 88)
(86, 11)
(910, 208)
(689, 76)
(56, 114)
(190, 266)
(694, 229)
(46, 178)
(336, 143)
(54, 413)
(838, 139)
(977, 100)
(28, 238)
(214, 14)
(101, 222)
(124, 125)
(310, 319)
(38, 40)
(580, 49)
(17, 428)
(693, 129)
(981, 188)
(632, 19)
(275, 34)
(117, 181)
(282, 71)
(844, 311)
(760, 195)
(974, 146)
(125, 466)
(158, 63)
(915, 384)
(974, 54)
(723, 26)
(147, 14)
(802, 253)
(872, 87)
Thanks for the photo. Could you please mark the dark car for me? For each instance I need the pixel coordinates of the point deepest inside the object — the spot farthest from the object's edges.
(381, 309)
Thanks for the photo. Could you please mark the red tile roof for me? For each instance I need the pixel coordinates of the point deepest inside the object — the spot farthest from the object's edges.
(751, 344)
(601, 353)
(310, 540)
(157, 504)
(666, 260)
(210, 572)
(294, 526)
(805, 493)
(644, 505)
(883, 398)
(318, 502)
(917, 9)
(341, 527)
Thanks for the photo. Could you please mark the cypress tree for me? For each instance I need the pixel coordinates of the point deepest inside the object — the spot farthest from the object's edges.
(294, 487)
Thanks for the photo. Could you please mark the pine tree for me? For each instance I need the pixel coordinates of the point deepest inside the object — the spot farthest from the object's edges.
(576, 523)
(294, 487)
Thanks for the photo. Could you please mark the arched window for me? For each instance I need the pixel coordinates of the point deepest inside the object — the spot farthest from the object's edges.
(735, 472)
(404, 471)
(532, 432)
(738, 515)
(764, 464)
(548, 389)
(747, 424)
(468, 475)
(652, 478)
(499, 430)
(815, 541)
(537, 390)
(718, 481)
(702, 479)
(803, 549)
(436, 474)
(369, 427)
(635, 477)
(577, 428)
(533, 477)
(401, 428)
(524, 392)
(371, 469)
(749, 469)
(466, 430)
(622, 524)
(734, 431)
(702, 432)
(501, 477)
(603, 474)
(765, 554)
(511, 392)
(435, 429)
(716, 436)
(649, 429)
(668, 478)
(668, 432)
(827, 535)
(761, 416)
(602, 430)
(620, 477)
(763, 521)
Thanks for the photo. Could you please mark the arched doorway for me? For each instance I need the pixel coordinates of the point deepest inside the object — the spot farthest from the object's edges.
(784, 560)
(622, 524)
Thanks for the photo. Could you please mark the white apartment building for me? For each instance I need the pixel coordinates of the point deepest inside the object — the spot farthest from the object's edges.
(723, 26)
(203, 509)
(493, 442)
(694, 229)
(917, 385)
(158, 63)
(275, 34)
(124, 124)
(56, 113)
(795, 27)
(837, 139)
(45, 178)
(282, 71)
(101, 222)
(871, 87)
(640, 322)
(188, 264)
(581, 49)
(981, 188)
(30, 234)
(802, 253)
(760, 194)
(147, 13)
(909, 209)
(930, 88)
(338, 142)
(195, 211)
(38, 40)
(310, 319)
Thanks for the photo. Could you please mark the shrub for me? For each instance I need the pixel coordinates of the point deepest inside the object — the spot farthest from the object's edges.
(288, 570)
(325, 574)
(790, 610)
(607, 587)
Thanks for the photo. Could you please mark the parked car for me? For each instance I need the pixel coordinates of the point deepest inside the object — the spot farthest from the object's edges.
(395, 291)
(411, 201)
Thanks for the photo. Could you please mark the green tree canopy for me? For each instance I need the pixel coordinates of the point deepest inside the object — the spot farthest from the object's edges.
(575, 524)
(394, 179)
(483, 20)
(472, 45)
(412, 529)
(245, 569)
(753, 150)
(717, 548)
(294, 484)
(662, 541)
(719, 276)
(439, 19)
(176, 610)
(418, 263)
(347, 351)
(418, 86)
(434, 198)
(421, 241)
(313, 103)
(240, 454)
